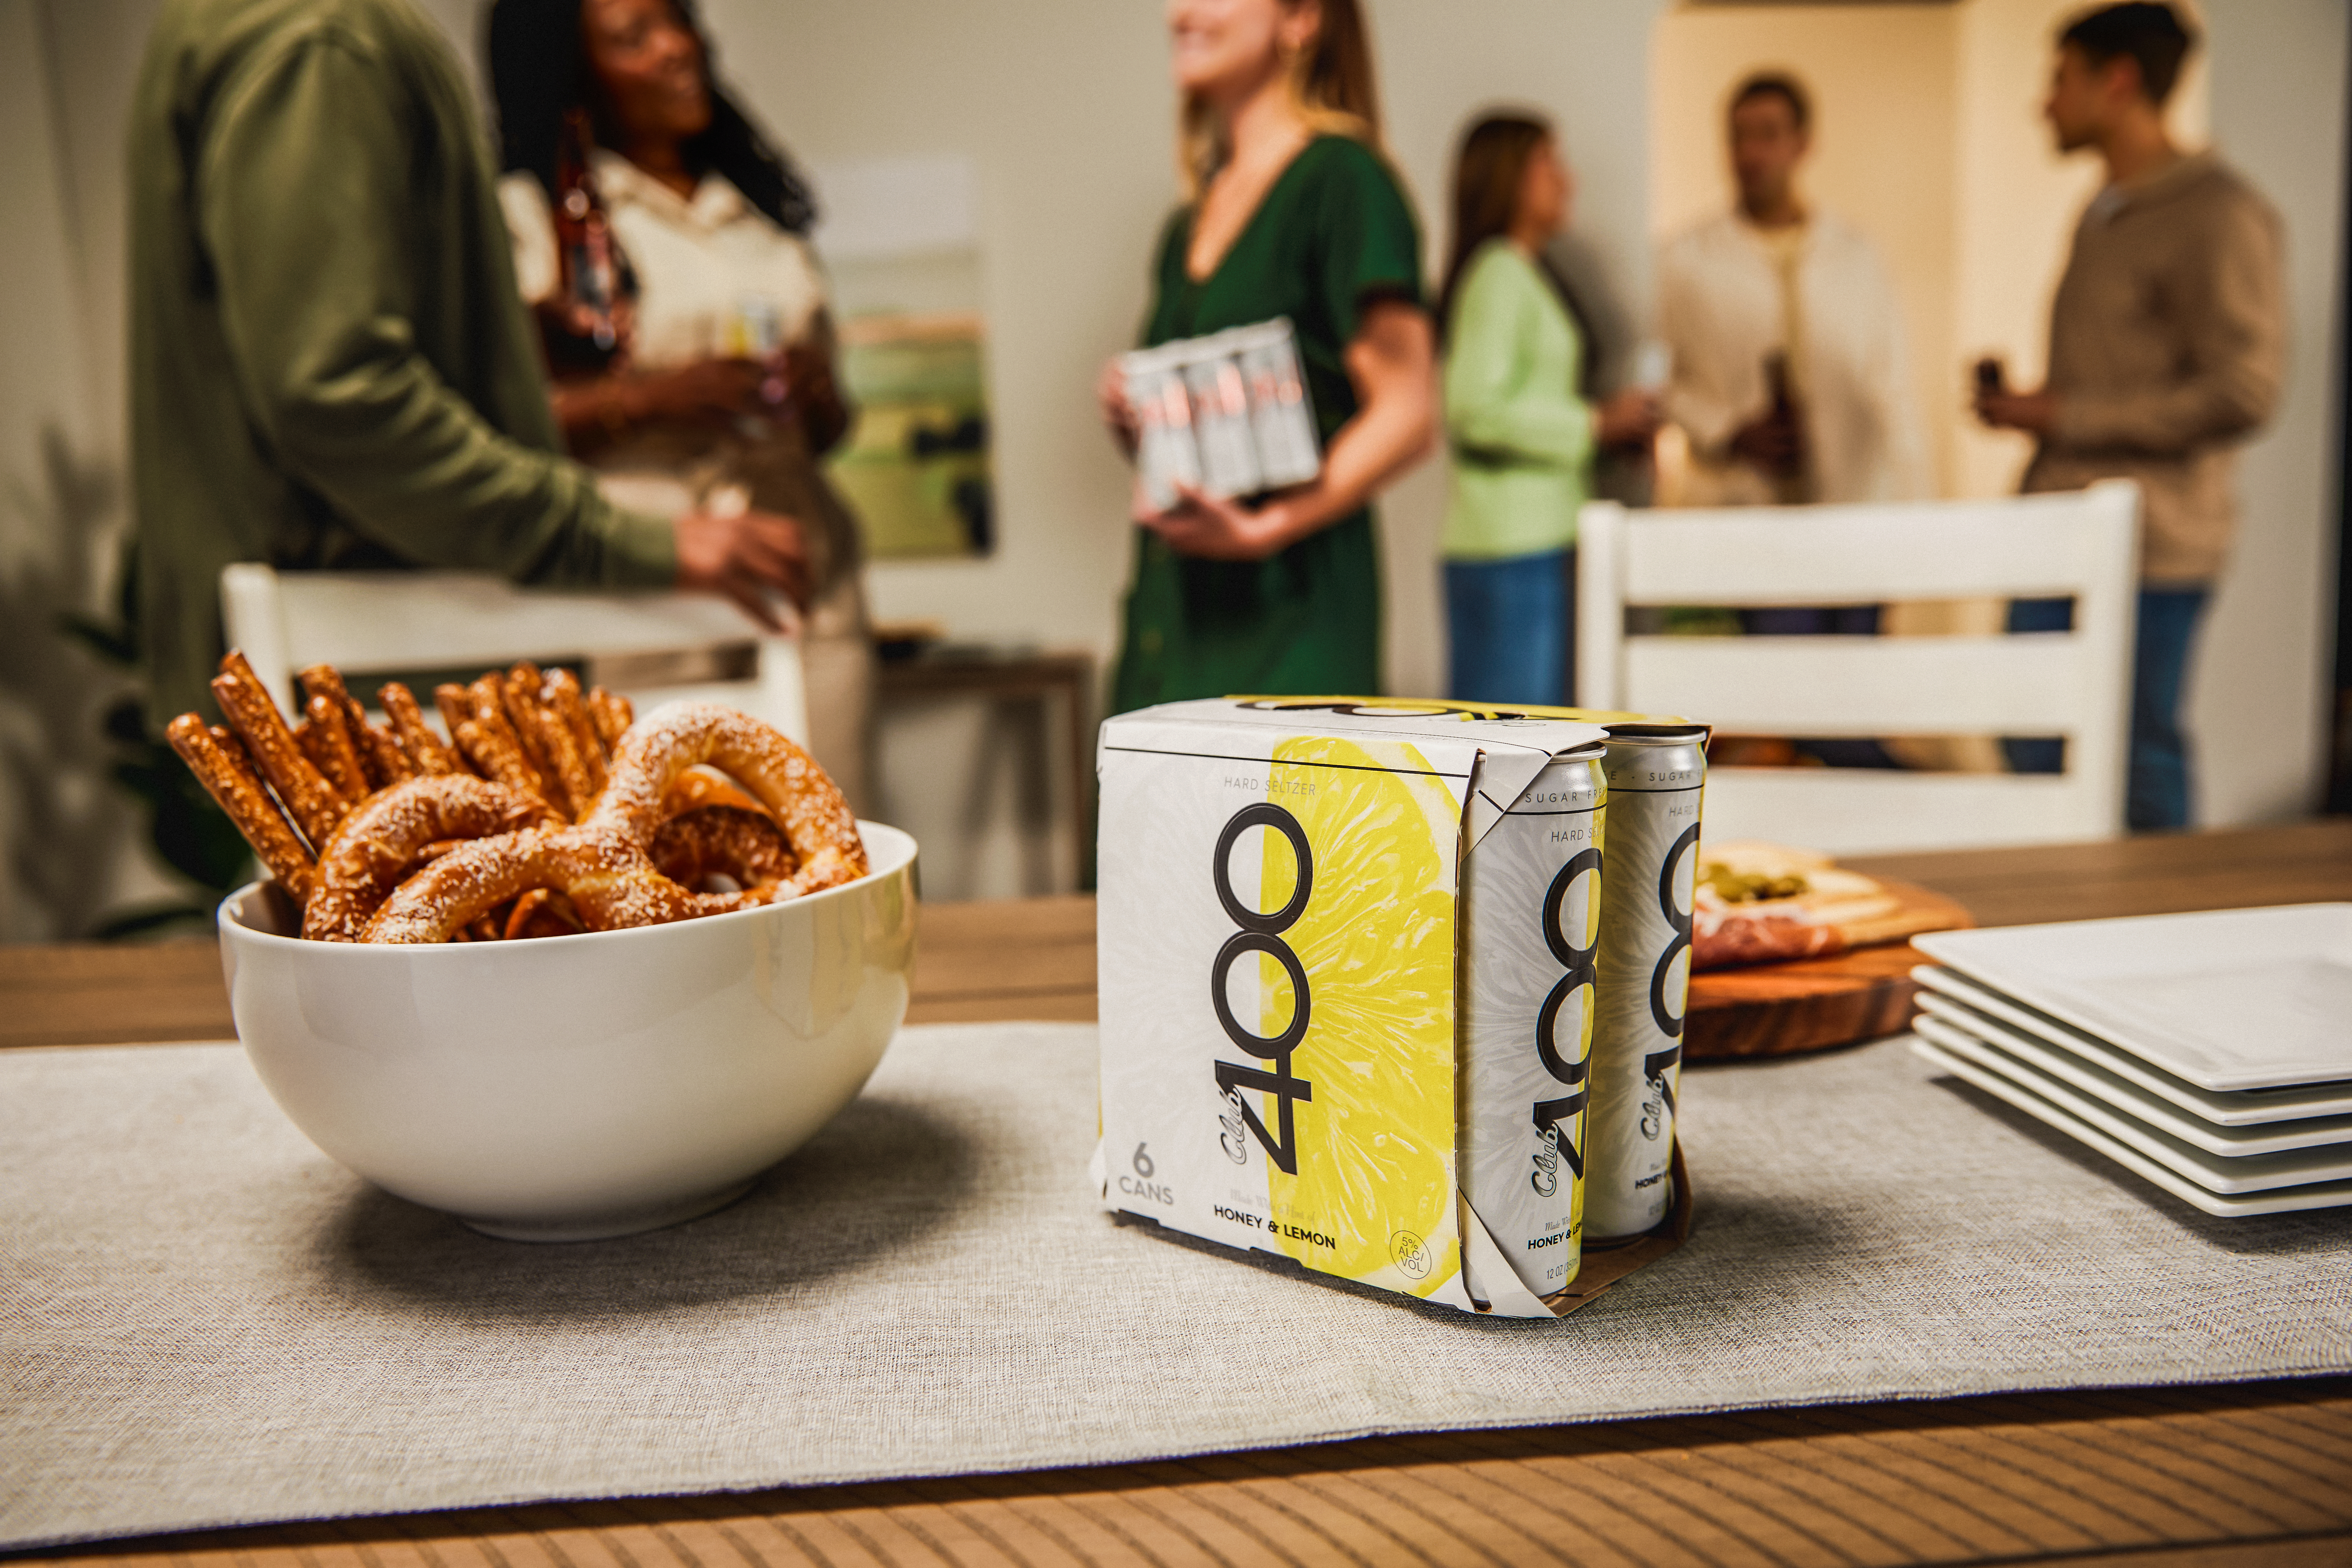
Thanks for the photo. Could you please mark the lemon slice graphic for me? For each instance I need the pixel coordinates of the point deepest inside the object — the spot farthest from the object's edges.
(1373, 1198)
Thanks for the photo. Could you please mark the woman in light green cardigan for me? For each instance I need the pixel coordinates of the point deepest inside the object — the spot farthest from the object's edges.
(1519, 418)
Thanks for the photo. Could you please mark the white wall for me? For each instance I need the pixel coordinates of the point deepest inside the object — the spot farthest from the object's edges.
(2261, 698)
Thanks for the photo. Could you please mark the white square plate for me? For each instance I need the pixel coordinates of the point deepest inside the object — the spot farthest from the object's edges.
(2234, 1174)
(2319, 1195)
(2328, 1103)
(2231, 1000)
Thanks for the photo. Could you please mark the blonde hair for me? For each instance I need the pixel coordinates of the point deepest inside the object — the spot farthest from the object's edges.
(1330, 83)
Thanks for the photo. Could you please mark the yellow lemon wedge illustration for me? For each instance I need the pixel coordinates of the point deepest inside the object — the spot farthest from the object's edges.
(1373, 1195)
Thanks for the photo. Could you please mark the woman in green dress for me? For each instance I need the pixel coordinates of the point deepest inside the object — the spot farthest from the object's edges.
(1294, 212)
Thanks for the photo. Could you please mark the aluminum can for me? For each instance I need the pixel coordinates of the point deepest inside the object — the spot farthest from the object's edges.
(1281, 415)
(1532, 925)
(1221, 424)
(1657, 779)
(1165, 452)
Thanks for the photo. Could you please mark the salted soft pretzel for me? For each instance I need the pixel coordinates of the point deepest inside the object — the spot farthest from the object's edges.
(384, 838)
(602, 873)
(722, 840)
(816, 821)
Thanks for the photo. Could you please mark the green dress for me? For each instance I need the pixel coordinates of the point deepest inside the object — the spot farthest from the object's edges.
(1333, 235)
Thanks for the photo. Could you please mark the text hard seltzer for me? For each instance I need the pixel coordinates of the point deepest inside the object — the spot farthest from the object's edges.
(1657, 776)
(1531, 916)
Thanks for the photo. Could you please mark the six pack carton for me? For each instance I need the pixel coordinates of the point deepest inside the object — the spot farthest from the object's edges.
(1347, 954)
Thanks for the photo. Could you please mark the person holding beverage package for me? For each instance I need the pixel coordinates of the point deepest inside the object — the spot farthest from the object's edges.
(660, 237)
(1520, 417)
(1292, 210)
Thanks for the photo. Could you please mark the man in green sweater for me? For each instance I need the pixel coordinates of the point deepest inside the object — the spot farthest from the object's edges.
(329, 364)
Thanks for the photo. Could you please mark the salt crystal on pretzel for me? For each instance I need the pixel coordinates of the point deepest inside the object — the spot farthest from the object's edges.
(309, 800)
(228, 780)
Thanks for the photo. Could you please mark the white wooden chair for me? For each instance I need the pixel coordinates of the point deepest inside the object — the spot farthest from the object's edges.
(2076, 684)
(386, 623)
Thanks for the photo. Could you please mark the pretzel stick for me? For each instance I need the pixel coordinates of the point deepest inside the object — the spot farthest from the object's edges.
(518, 692)
(329, 745)
(387, 764)
(426, 752)
(611, 714)
(496, 756)
(489, 709)
(225, 739)
(456, 702)
(326, 681)
(561, 692)
(542, 911)
(309, 800)
(456, 705)
(567, 767)
(229, 781)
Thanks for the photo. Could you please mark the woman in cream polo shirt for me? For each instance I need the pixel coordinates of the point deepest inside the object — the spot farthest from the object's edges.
(659, 237)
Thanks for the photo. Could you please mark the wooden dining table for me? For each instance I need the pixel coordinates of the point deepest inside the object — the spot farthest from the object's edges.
(2236, 1476)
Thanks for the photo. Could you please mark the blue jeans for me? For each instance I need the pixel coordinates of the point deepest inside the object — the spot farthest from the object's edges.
(1509, 626)
(2159, 789)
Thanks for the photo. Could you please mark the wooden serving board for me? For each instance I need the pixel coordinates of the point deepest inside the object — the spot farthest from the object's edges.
(1814, 1004)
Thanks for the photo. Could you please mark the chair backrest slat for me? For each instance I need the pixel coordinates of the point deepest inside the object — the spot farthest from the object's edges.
(1867, 811)
(2027, 547)
(1863, 686)
(2075, 684)
(380, 623)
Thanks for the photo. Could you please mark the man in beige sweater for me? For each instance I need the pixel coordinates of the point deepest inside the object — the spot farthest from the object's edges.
(2167, 349)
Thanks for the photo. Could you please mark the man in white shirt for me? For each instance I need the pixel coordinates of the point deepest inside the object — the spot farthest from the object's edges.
(1789, 376)
(1776, 290)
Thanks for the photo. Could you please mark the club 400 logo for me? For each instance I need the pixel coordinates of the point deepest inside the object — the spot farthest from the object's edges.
(1262, 933)
(1566, 1068)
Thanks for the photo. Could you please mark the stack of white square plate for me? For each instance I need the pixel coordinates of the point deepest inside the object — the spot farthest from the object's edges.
(2209, 1053)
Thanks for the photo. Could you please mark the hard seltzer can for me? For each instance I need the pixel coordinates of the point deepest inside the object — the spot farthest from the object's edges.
(1531, 919)
(1165, 451)
(1657, 775)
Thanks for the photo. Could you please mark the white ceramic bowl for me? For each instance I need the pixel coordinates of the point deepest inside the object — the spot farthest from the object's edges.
(584, 1086)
